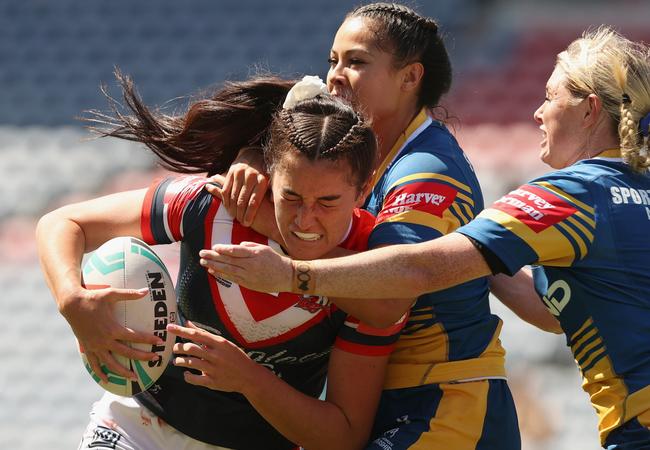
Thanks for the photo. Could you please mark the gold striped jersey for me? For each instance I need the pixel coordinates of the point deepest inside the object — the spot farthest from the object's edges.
(586, 228)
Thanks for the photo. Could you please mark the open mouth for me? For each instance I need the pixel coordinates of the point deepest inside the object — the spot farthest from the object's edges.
(310, 237)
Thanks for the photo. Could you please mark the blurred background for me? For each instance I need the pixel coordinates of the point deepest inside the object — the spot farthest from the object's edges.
(55, 54)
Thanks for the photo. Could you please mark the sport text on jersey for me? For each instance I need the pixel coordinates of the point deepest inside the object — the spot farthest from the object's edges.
(625, 196)
(535, 207)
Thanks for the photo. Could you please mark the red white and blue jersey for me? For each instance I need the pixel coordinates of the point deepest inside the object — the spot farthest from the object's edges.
(426, 188)
(586, 228)
(290, 334)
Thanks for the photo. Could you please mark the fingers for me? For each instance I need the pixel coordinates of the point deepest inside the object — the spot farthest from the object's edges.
(255, 199)
(95, 366)
(130, 335)
(198, 380)
(127, 351)
(111, 365)
(243, 250)
(238, 181)
(116, 295)
(201, 339)
(213, 190)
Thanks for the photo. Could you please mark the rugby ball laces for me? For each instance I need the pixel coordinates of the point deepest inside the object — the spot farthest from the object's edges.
(128, 262)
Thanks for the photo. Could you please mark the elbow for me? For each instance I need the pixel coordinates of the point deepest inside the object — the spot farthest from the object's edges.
(389, 313)
(553, 326)
(45, 224)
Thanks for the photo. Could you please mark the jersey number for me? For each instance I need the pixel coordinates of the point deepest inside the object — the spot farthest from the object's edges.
(557, 297)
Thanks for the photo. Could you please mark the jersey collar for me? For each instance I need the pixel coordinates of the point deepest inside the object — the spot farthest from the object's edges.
(417, 126)
(612, 154)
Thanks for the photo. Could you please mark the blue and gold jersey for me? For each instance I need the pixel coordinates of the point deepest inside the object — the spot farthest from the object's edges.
(586, 230)
(426, 188)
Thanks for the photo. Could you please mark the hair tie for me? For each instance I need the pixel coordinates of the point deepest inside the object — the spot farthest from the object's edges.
(309, 87)
(626, 100)
(644, 125)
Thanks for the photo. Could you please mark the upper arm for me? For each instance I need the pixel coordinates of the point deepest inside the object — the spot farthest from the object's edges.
(549, 221)
(424, 198)
(354, 384)
(104, 218)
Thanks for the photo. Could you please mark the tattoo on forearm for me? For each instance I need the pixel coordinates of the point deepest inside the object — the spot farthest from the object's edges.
(303, 276)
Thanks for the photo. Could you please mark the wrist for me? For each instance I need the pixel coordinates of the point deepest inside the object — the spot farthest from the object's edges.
(303, 280)
(67, 298)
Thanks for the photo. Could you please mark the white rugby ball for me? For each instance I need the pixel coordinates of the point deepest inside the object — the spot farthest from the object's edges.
(127, 262)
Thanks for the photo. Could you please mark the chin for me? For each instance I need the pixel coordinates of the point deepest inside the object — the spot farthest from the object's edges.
(307, 250)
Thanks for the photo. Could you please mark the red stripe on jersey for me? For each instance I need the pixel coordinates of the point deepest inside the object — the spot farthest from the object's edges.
(260, 305)
(178, 194)
(388, 331)
(362, 224)
(426, 196)
(145, 216)
(363, 349)
(535, 207)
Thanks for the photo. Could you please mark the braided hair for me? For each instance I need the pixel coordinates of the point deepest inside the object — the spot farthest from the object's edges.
(323, 128)
(617, 70)
(411, 38)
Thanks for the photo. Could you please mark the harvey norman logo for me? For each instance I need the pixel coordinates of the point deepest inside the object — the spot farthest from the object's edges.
(529, 202)
(535, 207)
(425, 196)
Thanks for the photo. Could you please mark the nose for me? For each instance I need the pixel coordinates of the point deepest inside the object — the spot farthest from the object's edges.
(305, 217)
(537, 115)
(335, 76)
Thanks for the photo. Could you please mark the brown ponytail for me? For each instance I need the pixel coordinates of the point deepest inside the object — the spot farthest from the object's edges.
(209, 135)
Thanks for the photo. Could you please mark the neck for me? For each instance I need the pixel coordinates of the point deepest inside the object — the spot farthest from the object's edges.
(601, 140)
(389, 129)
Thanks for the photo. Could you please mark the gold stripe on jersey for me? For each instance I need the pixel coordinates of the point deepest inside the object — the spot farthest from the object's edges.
(551, 246)
(576, 223)
(609, 396)
(607, 390)
(456, 207)
(445, 224)
(437, 176)
(414, 125)
(459, 419)
(578, 240)
(468, 211)
(560, 193)
(582, 328)
(422, 358)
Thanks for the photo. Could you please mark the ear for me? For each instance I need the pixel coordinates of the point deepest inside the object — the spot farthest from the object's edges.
(593, 109)
(365, 191)
(411, 75)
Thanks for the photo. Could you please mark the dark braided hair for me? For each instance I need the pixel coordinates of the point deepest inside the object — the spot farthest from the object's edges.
(209, 135)
(411, 38)
(324, 128)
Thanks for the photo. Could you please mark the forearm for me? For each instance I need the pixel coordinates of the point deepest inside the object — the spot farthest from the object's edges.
(519, 295)
(304, 420)
(64, 235)
(397, 271)
(61, 245)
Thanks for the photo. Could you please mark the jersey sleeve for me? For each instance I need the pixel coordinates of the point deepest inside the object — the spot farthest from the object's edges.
(424, 198)
(361, 339)
(172, 207)
(550, 221)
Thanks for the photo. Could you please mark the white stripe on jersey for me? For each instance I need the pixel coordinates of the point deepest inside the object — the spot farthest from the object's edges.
(235, 305)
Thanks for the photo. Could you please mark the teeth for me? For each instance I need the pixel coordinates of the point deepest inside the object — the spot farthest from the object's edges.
(307, 236)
